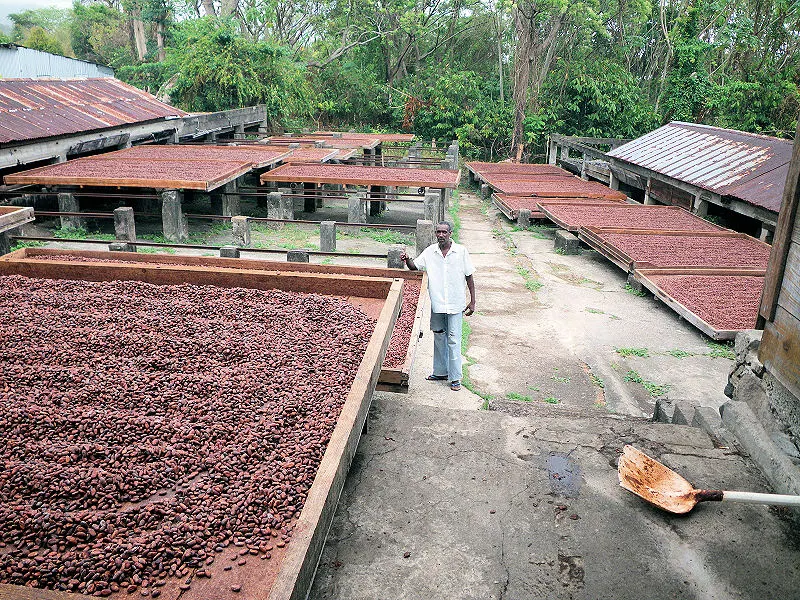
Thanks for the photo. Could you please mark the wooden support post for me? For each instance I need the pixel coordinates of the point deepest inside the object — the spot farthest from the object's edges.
(309, 204)
(700, 206)
(124, 224)
(174, 222)
(552, 152)
(431, 206)
(5, 243)
(584, 176)
(68, 203)
(241, 231)
(613, 182)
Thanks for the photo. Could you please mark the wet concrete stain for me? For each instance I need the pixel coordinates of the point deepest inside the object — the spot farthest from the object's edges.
(564, 475)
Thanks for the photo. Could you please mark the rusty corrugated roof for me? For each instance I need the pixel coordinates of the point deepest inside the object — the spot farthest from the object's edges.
(736, 164)
(38, 108)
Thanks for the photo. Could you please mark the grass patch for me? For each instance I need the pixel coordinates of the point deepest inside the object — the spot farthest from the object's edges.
(533, 388)
(327, 261)
(641, 352)
(594, 311)
(149, 250)
(634, 292)
(598, 381)
(676, 353)
(518, 397)
(21, 244)
(383, 236)
(654, 389)
(531, 283)
(561, 379)
(552, 400)
(455, 216)
(466, 331)
(80, 233)
(717, 350)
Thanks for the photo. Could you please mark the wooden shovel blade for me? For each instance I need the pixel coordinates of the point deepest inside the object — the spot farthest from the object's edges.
(652, 481)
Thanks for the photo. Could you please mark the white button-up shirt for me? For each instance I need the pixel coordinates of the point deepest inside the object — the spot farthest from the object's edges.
(446, 277)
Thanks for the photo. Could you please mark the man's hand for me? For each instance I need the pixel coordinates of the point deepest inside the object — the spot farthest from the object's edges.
(470, 308)
(403, 255)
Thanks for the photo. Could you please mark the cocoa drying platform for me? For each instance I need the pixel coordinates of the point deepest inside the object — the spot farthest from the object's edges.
(396, 368)
(203, 168)
(364, 176)
(179, 492)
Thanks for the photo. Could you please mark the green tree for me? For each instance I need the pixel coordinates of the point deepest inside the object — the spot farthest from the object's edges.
(39, 39)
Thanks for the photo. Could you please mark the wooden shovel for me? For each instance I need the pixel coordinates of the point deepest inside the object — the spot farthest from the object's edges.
(649, 479)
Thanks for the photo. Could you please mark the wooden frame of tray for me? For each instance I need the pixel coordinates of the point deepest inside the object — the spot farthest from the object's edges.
(643, 276)
(592, 237)
(394, 379)
(12, 217)
(298, 561)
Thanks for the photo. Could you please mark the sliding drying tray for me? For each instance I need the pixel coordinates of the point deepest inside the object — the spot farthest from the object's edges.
(720, 302)
(396, 368)
(12, 217)
(178, 431)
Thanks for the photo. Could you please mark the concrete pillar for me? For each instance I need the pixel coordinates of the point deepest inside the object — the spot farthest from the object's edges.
(444, 202)
(584, 176)
(121, 247)
(393, 260)
(486, 191)
(767, 233)
(564, 152)
(229, 252)
(327, 236)
(552, 152)
(274, 205)
(239, 129)
(524, 218)
(425, 235)
(231, 204)
(431, 206)
(241, 231)
(68, 203)
(613, 182)
(61, 158)
(287, 207)
(357, 209)
(174, 222)
(566, 242)
(300, 256)
(5, 243)
(124, 225)
(700, 206)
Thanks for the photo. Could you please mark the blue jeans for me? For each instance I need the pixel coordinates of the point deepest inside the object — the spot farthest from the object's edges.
(447, 345)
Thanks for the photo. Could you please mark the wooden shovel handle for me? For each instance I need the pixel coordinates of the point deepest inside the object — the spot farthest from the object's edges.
(750, 497)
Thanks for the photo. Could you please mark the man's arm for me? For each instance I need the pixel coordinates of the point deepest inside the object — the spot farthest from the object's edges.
(408, 260)
(471, 287)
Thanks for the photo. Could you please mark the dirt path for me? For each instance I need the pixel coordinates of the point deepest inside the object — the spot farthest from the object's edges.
(564, 330)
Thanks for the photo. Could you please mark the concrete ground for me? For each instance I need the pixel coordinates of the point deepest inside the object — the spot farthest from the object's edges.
(448, 501)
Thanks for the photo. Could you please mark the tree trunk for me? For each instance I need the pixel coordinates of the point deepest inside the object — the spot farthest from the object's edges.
(160, 41)
(228, 8)
(208, 7)
(138, 34)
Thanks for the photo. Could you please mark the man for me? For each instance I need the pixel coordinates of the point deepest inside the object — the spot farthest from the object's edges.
(448, 267)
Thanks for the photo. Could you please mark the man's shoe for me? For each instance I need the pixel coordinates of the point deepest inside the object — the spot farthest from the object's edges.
(455, 386)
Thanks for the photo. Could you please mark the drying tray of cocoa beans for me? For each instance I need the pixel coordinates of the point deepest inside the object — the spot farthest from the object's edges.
(719, 302)
(14, 216)
(178, 431)
(396, 368)
(574, 215)
(510, 205)
(647, 248)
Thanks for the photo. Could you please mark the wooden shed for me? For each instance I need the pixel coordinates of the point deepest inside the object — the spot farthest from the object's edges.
(779, 314)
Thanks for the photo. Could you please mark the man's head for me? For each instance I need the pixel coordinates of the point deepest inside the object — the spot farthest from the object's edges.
(443, 231)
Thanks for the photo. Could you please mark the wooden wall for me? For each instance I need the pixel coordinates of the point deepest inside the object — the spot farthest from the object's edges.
(780, 304)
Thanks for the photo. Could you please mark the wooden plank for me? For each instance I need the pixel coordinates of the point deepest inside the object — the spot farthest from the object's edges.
(740, 271)
(787, 222)
(780, 349)
(19, 592)
(12, 217)
(416, 330)
(311, 283)
(365, 176)
(308, 539)
(503, 208)
(789, 296)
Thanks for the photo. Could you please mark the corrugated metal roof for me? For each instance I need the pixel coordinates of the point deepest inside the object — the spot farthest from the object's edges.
(741, 165)
(38, 108)
(18, 61)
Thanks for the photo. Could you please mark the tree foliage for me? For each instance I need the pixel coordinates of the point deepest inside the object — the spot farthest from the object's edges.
(499, 75)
